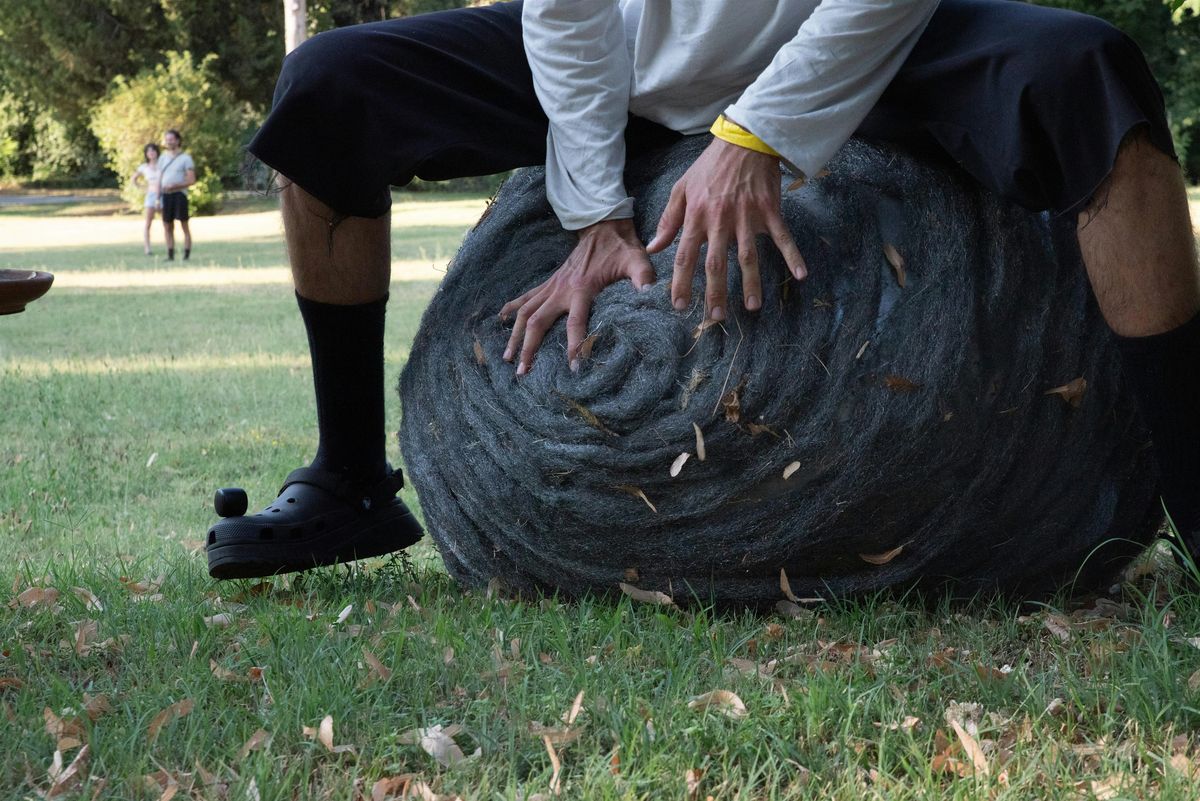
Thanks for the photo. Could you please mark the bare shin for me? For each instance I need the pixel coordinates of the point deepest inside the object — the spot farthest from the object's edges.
(335, 259)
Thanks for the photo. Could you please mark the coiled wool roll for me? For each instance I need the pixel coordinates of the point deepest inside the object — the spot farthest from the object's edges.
(891, 420)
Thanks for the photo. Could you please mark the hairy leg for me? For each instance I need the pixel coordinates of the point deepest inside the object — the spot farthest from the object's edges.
(169, 234)
(187, 234)
(1138, 245)
(335, 259)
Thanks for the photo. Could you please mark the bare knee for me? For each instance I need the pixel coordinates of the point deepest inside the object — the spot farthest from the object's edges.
(1141, 162)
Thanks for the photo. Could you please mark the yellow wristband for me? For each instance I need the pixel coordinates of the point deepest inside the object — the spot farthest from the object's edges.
(729, 131)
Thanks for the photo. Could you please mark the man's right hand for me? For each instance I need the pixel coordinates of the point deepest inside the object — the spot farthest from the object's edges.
(607, 252)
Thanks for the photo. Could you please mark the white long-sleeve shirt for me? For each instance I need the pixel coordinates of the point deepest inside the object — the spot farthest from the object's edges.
(800, 74)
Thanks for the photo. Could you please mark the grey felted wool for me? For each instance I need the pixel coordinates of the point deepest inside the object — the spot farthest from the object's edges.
(890, 421)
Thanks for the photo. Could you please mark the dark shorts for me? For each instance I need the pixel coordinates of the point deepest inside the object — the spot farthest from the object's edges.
(1033, 102)
(174, 206)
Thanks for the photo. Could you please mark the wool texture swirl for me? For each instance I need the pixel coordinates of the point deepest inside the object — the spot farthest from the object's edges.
(938, 404)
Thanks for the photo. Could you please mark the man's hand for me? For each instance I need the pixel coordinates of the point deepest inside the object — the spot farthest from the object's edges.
(607, 252)
(729, 194)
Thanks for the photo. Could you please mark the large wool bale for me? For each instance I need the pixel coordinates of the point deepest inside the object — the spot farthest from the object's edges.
(874, 426)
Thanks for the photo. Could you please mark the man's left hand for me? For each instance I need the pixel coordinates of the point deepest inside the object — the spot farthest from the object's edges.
(730, 194)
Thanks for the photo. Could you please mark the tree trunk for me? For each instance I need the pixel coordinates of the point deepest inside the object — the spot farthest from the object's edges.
(295, 24)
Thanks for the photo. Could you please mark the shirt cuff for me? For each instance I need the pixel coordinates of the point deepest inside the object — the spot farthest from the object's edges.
(729, 131)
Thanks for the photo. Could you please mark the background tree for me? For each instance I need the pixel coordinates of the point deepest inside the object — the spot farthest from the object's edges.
(58, 58)
(179, 94)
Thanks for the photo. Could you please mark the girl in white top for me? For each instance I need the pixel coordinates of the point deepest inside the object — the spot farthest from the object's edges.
(147, 176)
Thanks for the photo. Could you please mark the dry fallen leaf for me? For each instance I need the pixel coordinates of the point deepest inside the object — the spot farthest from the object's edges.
(898, 383)
(392, 787)
(731, 402)
(588, 415)
(224, 674)
(576, 707)
(378, 669)
(480, 357)
(881, 558)
(64, 780)
(556, 766)
(704, 326)
(758, 428)
(969, 744)
(691, 782)
(1058, 626)
(342, 615)
(85, 634)
(62, 728)
(723, 701)
(679, 462)
(256, 741)
(36, 596)
(219, 621)
(176, 710)
(637, 493)
(786, 587)
(897, 261)
(438, 742)
(558, 735)
(96, 706)
(646, 596)
(324, 735)
(1071, 392)
(699, 442)
(585, 347)
(147, 587)
(90, 601)
(790, 470)
(862, 350)
(908, 724)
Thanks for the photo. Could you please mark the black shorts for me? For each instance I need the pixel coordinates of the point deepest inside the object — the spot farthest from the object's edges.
(1033, 102)
(174, 206)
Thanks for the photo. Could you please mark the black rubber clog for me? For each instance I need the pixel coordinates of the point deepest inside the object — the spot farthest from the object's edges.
(318, 519)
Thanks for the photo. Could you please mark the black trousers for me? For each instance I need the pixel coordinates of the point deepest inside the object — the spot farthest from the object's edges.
(1033, 102)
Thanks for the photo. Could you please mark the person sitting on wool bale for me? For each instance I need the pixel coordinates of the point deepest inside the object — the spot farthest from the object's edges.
(1048, 108)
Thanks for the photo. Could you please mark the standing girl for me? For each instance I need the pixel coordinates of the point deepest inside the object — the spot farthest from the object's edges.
(147, 174)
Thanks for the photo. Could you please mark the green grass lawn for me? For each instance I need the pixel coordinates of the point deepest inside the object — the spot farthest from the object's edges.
(121, 409)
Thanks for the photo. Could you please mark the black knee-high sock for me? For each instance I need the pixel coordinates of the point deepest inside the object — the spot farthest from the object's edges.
(346, 343)
(1164, 373)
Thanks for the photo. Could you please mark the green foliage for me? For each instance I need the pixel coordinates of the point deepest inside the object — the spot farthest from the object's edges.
(1181, 7)
(1172, 48)
(61, 54)
(245, 35)
(13, 131)
(64, 153)
(326, 14)
(179, 94)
